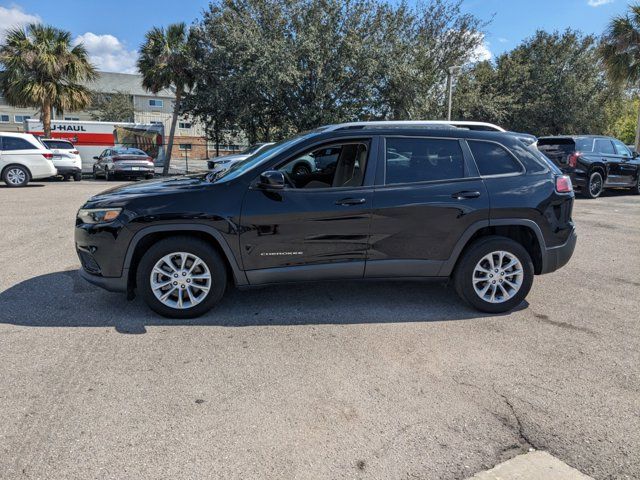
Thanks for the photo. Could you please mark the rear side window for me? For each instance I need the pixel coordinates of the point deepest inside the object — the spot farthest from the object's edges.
(57, 144)
(604, 145)
(412, 160)
(493, 159)
(15, 143)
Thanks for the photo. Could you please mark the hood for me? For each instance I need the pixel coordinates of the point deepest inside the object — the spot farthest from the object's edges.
(122, 194)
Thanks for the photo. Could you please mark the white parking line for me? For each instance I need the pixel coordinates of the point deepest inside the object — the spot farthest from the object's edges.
(532, 466)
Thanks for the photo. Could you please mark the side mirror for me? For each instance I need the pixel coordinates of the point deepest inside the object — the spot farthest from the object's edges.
(635, 154)
(96, 158)
(272, 180)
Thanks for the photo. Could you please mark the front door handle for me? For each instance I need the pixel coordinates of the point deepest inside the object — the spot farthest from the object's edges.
(465, 194)
(351, 201)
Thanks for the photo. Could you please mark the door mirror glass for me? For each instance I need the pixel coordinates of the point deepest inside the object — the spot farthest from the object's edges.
(96, 158)
(272, 180)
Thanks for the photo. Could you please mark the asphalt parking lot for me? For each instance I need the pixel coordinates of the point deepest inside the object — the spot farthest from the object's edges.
(334, 380)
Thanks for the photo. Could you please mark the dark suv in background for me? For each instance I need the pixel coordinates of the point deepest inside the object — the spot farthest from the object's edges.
(404, 201)
(594, 162)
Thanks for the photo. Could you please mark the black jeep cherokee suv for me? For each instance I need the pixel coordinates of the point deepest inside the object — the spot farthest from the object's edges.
(401, 200)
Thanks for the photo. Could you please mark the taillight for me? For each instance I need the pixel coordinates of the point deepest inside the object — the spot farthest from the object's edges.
(48, 156)
(75, 152)
(563, 184)
(572, 159)
(115, 159)
(149, 159)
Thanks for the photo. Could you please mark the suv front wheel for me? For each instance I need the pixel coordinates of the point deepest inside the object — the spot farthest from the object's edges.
(494, 274)
(595, 186)
(181, 277)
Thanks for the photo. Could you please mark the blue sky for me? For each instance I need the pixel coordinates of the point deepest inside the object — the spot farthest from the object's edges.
(113, 29)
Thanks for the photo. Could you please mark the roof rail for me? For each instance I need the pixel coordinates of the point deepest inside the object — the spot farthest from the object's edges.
(390, 124)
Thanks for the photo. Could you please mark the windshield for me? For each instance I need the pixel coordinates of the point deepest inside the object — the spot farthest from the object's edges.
(238, 168)
(59, 144)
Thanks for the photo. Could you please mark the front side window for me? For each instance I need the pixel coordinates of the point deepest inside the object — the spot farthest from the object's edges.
(411, 160)
(493, 159)
(15, 143)
(621, 149)
(334, 166)
(604, 145)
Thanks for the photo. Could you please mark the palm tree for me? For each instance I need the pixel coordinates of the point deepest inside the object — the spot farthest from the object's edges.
(621, 52)
(42, 69)
(165, 62)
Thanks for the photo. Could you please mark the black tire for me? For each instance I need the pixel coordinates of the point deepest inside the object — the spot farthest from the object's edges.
(148, 177)
(77, 177)
(15, 176)
(108, 176)
(191, 245)
(474, 253)
(95, 174)
(66, 178)
(636, 190)
(595, 185)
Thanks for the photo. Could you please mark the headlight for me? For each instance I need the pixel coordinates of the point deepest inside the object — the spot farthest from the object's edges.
(98, 215)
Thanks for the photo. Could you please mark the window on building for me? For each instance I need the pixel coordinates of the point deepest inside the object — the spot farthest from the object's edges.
(72, 118)
(411, 160)
(156, 122)
(4, 118)
(185, 125)
(184, 146)
(493, 159)
(21, 118)
(156, 103)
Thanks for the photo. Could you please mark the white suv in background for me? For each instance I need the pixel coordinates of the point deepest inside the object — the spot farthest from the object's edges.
(23, 158)
(65, 158)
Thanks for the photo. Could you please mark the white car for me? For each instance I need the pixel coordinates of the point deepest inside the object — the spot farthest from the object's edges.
(65, 158)
(23, 158)
(226, 161)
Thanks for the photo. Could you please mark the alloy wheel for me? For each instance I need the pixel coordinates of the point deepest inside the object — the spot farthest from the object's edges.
(180, 280)
(498, 276)
(595, 184)
(16, 176)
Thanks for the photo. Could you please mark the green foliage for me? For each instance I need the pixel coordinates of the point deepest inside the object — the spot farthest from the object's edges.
(271, 68)
(167, 61)
(624, 120)
(553, 83)
(115, 107)
(42, 69)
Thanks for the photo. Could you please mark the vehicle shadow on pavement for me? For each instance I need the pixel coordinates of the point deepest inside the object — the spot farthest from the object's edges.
(64, 299)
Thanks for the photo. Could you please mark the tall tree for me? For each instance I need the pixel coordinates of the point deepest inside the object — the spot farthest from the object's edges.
(112, 107)
(166, 61)
(621, 53)
(552, 83)
(43, 69)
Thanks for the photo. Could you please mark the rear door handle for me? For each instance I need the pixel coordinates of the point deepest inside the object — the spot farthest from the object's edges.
(465, 194)
(351, 201)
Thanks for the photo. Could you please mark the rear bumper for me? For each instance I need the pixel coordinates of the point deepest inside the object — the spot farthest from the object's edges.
(68, 170)
(557, 257)
(129, 172)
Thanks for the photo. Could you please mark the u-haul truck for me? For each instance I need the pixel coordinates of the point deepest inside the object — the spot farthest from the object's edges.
(92, 138)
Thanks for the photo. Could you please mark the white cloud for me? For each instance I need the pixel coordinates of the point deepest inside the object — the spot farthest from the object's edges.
(482, 52)
(598, 3)
(14, 17)
(108, 53)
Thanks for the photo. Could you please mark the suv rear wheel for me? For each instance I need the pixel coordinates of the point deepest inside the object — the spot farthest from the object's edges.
(494, 274)
(181, 277)
(595, 185)
(15, 176)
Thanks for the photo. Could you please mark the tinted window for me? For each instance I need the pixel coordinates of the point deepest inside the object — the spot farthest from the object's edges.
(128, 151)
(58, 144)
(15, 143)
(313, 170)
(621, 148)
(410, 160)
(584, 145)
(604, 145)
(493, 159)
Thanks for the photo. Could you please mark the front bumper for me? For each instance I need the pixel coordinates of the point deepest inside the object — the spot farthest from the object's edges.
(112, 284)
(557, 257)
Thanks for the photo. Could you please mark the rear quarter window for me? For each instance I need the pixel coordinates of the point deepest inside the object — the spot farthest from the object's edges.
(493, 159)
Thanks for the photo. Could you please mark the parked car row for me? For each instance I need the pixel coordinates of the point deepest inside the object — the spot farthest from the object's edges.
(25, 157)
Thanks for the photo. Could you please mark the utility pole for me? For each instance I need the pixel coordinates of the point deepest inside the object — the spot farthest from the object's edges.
(451, 72)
